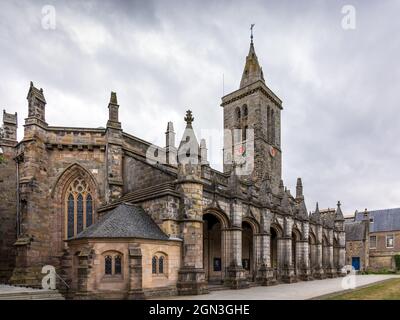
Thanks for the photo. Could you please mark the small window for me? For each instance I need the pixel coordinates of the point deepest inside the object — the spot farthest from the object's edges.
(108, 265)
(372, 242)
(371, 220)
(117, 265)
(154, 265)
(389, 241)
(159, 264)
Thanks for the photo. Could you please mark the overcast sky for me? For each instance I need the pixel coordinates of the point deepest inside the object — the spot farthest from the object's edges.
(340, 88)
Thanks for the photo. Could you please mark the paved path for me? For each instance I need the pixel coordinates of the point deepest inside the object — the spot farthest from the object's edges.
(295, 291)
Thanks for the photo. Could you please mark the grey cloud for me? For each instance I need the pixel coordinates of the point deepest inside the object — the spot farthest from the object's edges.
(339, 88)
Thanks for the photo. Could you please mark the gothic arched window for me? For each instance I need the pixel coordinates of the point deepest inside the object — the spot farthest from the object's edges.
(79, 207)
(108, 265)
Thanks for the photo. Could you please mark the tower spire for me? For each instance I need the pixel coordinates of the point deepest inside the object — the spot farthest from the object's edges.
(252, 70)
(251, 32)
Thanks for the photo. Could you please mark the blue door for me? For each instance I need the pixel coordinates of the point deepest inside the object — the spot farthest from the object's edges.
(355, 262)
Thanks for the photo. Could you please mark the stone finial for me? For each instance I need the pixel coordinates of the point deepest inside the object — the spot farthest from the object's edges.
(302, 210)
(299, 189)
(170, 127)
(339, 213)
(113, 112)
(203, 152)
(113, 98)
(35, 93)
(316, 216)
(189, 117)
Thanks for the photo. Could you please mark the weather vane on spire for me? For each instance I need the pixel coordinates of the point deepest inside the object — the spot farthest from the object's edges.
(251, 31)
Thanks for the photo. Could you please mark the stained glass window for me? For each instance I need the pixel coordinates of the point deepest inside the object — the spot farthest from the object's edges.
(117, 266)
(70, 215)
(79, 214)
(108, 265)
(80, 207)
(154, 265)
(161, 265)
(89, 210)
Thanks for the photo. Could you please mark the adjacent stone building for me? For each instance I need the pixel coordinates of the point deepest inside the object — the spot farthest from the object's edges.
(382, 238)
(357, 244)
(119, 217)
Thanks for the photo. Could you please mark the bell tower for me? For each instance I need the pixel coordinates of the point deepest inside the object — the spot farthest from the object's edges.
(254, 111)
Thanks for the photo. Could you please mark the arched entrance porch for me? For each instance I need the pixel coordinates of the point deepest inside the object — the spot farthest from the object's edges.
(214, 246)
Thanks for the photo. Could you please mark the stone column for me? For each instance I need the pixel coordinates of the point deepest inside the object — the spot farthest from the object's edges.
(84, 273)
(331, 270)
(135, 273)
(236, 277)
(191, 278)
(303, 260)
(265, 273)
(318, 272)
(342, 254)
(287, 267)
(114, 153)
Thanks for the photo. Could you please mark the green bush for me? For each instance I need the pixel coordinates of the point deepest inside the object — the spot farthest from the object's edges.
(380, 271)
(397, 261)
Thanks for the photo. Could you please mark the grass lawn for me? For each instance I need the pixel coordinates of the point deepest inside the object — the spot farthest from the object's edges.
(387, 290)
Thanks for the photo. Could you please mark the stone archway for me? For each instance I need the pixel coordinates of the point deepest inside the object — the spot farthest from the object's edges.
(312, 252)
(274, 248)
(296, 237)
(214, 248)
(336, 250)
(248, 250)
(325, 253)
(250, 247)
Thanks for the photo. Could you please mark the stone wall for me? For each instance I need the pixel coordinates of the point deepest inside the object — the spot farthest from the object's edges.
(138, 174)
(382, 257)
(358, 249)
(100, 285)
(8, 209)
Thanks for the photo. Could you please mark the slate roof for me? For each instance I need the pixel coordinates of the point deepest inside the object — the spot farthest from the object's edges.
(125, 221)
(384, 220)
(355, 230)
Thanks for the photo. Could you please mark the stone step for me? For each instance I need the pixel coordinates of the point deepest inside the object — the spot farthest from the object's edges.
(8, 292)
(32, 296)
(217, 288)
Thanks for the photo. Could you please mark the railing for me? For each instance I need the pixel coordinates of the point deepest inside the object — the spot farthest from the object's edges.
(59, 277)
